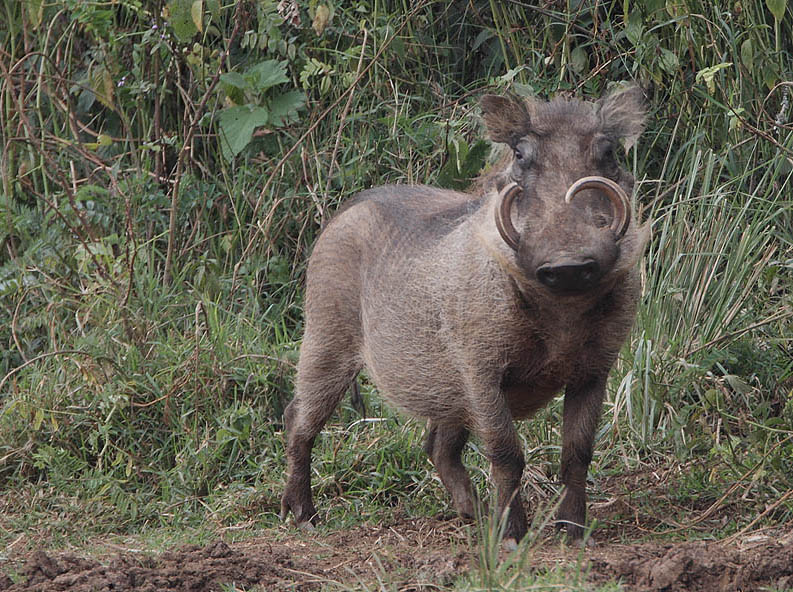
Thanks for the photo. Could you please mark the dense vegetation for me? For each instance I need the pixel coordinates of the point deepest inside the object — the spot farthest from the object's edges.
(166, 166)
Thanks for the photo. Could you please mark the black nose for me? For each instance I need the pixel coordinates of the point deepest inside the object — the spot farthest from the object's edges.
(569, 277)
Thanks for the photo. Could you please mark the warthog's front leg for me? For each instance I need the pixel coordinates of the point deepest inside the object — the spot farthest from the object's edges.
(502, 446)
(582, 404)
(508, 464)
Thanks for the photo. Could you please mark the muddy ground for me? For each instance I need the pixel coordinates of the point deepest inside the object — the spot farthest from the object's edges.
(639, 546)
(420, 554)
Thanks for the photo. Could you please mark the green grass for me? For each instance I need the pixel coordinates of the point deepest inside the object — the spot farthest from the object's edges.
(142, 394)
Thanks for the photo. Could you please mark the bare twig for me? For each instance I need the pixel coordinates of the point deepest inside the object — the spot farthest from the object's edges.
(738, 482)
(758, 132)
(765, 512)
(51, 168)
(776, 317)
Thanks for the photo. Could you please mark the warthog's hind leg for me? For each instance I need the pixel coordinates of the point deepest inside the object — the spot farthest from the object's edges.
(444, 445)
(323, 376)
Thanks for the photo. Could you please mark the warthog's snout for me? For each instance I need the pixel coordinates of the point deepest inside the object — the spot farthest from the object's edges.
(569, 276)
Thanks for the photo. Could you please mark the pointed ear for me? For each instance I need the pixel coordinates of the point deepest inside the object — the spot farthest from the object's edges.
(508, 119)
(622, 114)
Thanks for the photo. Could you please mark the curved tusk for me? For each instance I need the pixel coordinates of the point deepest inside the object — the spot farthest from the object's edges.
(503, 215)
(616, 194)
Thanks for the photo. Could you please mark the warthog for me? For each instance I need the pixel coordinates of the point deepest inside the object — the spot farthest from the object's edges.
(474, 310)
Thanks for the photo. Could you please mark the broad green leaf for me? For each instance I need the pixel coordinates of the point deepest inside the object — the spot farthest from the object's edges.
(236, 125)
(634, 28)
(475, 159)
(102, 86)
(523, 90)
(284, 108)
(484, 35)
(668, 60)
(579, 60)
(212, 8)
(35, 12)
(738, 384)
(463, 165)
(267, 74)
(235, 79)
(777, 8)
(714, 398)
(181, 19)
(197, 14)
(322, 17)
(770, 74)
(708, 75)
(512, 73)
(449, 175)
(747, 54)
(312, 68)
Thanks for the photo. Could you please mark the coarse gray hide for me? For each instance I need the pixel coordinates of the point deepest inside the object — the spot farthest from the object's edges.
(472, 311)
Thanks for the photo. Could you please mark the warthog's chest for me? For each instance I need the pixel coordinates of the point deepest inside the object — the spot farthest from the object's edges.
(530, 382)
(528, 393)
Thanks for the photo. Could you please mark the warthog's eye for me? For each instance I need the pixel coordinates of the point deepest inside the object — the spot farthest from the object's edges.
(604, 156)
(524, 153)
(603, 151)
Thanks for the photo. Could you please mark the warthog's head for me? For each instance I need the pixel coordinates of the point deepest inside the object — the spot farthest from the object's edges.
(564, 201)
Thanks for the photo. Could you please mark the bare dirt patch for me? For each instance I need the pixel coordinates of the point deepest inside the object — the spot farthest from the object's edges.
(412, 554)
(409, 555)
(699, 566)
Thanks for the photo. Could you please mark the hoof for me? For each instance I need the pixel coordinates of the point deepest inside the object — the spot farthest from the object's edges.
(306, 527)
(576, 540)
(304, 513)
(509, 545)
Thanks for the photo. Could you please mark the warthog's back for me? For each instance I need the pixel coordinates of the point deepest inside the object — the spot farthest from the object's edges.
(423, 213)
